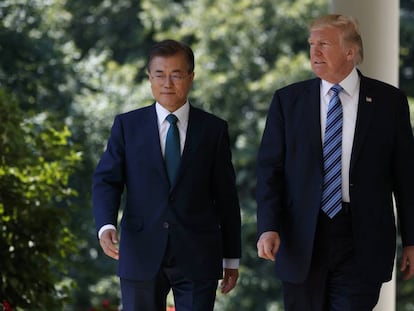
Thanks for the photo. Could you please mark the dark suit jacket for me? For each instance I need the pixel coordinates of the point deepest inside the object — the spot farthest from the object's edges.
(199, 214)
(290, 172)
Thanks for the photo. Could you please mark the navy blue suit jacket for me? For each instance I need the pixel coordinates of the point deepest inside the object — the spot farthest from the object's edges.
(201, 209)
(290, 172)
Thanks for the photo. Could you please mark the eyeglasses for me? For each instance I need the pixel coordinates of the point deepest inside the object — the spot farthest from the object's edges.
(174, 78)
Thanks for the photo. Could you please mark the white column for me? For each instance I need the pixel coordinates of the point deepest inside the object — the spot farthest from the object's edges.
(379, 25)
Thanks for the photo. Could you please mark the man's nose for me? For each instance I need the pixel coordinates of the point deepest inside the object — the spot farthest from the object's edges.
(168, 81)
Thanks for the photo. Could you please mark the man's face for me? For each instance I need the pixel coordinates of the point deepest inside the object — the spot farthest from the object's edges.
(170, 80)
(330, 59)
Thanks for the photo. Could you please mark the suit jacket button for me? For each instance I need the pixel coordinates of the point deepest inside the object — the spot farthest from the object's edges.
(166, 225)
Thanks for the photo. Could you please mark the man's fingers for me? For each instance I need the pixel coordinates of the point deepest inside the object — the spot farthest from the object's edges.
(265, 250)
(270, 251)
(268, 245)
(109, 243)
(229, 280)
(407, 270)
(227, 285)
(407, 262)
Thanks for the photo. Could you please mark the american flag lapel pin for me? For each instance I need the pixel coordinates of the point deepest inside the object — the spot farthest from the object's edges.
(368, 99)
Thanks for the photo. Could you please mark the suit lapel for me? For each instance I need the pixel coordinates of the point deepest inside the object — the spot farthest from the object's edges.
(193, 138)
(151, 132)
(366, 104)
(313, 102)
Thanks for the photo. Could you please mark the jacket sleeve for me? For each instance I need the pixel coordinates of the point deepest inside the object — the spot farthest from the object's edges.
(270, 170)
(109, 179)
(226, 197)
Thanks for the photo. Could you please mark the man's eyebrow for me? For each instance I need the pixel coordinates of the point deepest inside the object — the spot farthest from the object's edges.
(174, 70)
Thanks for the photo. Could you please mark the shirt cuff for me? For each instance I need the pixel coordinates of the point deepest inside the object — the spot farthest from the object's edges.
(231, 263)
(105, 227)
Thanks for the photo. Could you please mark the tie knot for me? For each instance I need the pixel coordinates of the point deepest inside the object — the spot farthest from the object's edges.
(171, 118)
(336, 89)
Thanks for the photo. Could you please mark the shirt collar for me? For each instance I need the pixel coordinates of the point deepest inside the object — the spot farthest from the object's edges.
(181, 113)
(349, 84)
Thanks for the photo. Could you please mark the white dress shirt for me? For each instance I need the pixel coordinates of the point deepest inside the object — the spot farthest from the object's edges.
(349, 99)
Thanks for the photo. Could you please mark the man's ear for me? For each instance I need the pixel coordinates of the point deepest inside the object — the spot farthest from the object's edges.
(350, 53)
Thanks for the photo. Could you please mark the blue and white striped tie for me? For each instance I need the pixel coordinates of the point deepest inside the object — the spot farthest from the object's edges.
(332, 152)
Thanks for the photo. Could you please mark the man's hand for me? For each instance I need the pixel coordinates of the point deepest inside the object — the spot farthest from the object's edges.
(229, 280)
(109, 243)
(407, 262)
(268, 245)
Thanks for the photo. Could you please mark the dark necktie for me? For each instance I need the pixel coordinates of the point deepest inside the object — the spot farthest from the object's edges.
(172, 148)
(332, 154)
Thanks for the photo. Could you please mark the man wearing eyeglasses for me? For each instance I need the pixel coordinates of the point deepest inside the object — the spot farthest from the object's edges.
(180, 226)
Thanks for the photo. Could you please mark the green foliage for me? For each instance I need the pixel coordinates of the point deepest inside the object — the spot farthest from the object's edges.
(35, 54)
(108, 25)
(35, 163)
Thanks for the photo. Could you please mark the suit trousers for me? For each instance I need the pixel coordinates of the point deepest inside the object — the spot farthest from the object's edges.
(333, 282)
(151, 295)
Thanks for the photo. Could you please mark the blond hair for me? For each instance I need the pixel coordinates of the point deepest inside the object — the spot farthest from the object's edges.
(349, 28)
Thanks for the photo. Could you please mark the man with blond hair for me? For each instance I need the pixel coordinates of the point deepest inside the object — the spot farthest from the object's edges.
(334, 152)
